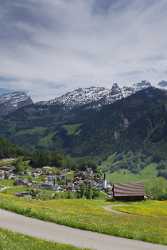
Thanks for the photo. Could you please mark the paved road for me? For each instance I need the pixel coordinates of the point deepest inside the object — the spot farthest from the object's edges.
(63, 234)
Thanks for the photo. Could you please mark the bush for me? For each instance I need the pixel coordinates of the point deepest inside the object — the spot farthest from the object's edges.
(157, 188)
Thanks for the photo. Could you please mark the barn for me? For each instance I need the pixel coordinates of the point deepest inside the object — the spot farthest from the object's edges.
(128, 192)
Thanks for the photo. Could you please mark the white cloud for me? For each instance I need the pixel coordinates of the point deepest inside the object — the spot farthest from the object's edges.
(53, 46)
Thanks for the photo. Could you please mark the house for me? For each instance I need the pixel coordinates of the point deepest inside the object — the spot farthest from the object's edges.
(9, 169)
(70, 187)
(23, 194)
(22, 182)
(36, 172)
(47, 170)
(11, 176)
(50, 186)
(6, 172)
(128, 192)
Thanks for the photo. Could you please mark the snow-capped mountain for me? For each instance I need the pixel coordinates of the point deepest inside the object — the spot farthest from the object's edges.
(127, 91)
(10, 102)
(97, 95)
(162, 84)
(141, 85)
(81, 96)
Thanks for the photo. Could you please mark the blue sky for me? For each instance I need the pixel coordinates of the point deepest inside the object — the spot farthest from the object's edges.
(49, 47)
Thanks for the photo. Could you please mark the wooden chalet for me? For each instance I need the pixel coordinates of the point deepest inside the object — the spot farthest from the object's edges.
(128, 192)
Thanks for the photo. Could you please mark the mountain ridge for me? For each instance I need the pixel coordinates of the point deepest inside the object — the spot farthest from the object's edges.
(136, 123)
(11, 101)
(95, 97)
(100, 95)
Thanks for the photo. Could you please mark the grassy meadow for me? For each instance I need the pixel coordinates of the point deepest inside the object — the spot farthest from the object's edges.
(14, 241)
(72, 129)
(139, 221)
(145, 221)
(125, 176)
(149, 208)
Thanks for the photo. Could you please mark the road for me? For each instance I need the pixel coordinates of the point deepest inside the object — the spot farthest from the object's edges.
(62, 234)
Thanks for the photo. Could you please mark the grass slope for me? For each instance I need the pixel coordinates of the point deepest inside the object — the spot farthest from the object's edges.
(72, 129)
(92, 215)
(125, 176)
(149, 208)
(36, 130)
(10, 241)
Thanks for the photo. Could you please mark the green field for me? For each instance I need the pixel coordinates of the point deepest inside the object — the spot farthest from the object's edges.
(34, 131)
(6, 182)
(46, 140)
(95, 216)
(6, 162)
(149, 208)
(148, 173)
(13, 241)
(72, 129)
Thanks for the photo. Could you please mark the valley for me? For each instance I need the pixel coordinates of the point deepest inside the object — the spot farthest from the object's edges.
(60, 161)
(83, 125)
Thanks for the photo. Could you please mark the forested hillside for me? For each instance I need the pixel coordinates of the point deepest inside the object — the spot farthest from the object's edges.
(133, 128)
(8, 150)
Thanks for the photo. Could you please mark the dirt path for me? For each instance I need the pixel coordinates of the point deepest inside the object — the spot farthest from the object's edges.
(62, 234)
(4, 189)
(110, 208)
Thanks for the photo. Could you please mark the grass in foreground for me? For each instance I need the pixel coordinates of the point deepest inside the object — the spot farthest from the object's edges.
(13, 241)
(91, 215)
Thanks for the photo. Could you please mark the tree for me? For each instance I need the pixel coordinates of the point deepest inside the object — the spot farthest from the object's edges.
(39, 159)
(68, 162)
(8, 150)
(96, 193)
(89, 192)
(55, 159)
(20, 165)
(83, 164)
(163, 173)
(81, 192)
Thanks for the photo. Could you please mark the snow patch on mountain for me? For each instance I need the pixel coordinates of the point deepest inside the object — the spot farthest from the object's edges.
(81, 96)
(12, 101)
(99, 95)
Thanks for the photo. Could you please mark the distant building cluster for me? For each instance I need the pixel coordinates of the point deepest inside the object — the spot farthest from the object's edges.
(45, 179)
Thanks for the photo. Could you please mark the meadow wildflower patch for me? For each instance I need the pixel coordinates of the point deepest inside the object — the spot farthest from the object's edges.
(142, 221)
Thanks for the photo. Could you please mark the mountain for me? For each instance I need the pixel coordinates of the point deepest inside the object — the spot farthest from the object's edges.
(98, 96)
(11, 101)
(95, 97)
(128, 131)
(137, 123)
(141, 85)
(162, 84)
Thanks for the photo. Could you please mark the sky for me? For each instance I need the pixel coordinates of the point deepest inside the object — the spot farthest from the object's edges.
(49, 47)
